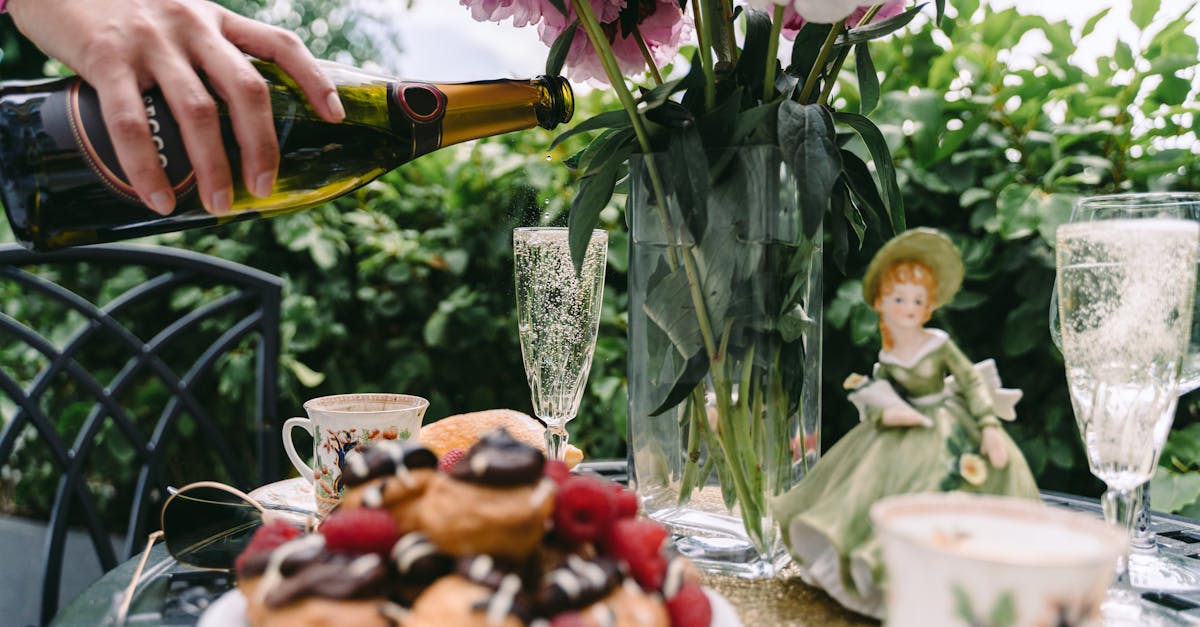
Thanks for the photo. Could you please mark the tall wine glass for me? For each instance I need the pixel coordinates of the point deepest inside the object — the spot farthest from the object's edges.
(1150, 568)
(558, 312)
(1125, 290)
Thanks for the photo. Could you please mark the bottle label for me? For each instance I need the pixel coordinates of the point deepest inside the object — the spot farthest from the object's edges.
(421, 107)
(79, 115)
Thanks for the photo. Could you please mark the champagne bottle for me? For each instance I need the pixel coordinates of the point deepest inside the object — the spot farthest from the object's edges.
(61, 184)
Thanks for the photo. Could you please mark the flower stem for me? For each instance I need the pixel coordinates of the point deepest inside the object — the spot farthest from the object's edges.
(814, 74)
(841, 59)
(641, 42)
(773, 53)
(700, 10)
(730, 36)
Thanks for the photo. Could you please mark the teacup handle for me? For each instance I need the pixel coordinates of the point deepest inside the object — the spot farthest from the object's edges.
(290, 447)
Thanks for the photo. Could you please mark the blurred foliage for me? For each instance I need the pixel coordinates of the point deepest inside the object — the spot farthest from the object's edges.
(406, 284)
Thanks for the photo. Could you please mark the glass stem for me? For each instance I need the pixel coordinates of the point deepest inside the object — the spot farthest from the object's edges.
(556, 442)
(1119, 509)
(1143, 540)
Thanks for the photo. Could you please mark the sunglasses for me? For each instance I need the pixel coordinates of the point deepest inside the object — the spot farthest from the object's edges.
(205, 525)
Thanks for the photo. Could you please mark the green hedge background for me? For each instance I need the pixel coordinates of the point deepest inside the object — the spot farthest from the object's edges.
(406, 285)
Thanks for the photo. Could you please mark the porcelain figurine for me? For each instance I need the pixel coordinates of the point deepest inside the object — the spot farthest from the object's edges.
(930, 421)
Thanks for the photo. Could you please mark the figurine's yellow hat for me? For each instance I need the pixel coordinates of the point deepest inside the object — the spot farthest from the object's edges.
(930, 247)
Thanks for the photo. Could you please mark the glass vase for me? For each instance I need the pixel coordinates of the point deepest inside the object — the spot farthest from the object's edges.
(724, 365)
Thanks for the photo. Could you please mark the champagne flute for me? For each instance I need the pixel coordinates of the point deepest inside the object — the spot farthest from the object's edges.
(558, 312)
(1125, 290)
(1149, 568)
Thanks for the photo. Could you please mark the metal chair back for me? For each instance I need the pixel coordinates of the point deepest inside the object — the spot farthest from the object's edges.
(110, 388)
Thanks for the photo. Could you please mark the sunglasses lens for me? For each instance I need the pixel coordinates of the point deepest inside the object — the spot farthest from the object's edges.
(208, 527)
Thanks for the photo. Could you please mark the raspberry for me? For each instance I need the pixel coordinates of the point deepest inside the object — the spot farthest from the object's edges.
(557, 471)
(638, 545)
(584, 508)
(360, 531)
(690, 607)
(570, 619)
(266, 538)
(450, 459)
(627, 501)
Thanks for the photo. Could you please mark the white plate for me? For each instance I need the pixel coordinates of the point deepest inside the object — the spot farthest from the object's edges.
(230, 611)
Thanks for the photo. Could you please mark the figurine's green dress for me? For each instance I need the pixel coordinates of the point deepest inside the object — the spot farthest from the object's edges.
(825, 519)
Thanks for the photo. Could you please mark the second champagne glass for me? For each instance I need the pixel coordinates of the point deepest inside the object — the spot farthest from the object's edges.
(558, 313)
(1149, 568)
(1125, 290)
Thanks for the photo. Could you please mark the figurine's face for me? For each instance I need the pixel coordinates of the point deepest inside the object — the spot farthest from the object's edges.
(905, 306)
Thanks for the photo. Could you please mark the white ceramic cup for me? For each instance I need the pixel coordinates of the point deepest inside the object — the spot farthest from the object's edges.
(342, 423)
(967, 559)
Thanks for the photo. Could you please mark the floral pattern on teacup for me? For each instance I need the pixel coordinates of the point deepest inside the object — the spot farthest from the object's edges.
(337, 444)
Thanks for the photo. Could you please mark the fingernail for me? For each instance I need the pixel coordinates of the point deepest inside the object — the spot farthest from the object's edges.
(264, 184)
(162, 202)
(221, 202)
(335, 105)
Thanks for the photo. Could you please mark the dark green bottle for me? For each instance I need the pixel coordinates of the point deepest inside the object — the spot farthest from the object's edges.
(61, 185)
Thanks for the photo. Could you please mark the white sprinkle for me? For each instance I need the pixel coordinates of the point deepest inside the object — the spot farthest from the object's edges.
(567, 581)
(363, 565)
(358, 464)
(603, 615)
(481, 566)
(409, 549)
(405, 476)
(501, 603)
(479, 463)
(674, 579)
(589, 570)
(544, 490)
(393, 612)
(373, 497)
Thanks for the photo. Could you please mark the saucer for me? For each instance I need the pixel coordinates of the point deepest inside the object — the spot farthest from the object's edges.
(294, 494)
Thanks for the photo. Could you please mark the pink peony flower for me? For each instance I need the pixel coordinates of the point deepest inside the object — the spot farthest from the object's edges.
(792, 22)
(821, 11)
(662, 24)
(522, 12)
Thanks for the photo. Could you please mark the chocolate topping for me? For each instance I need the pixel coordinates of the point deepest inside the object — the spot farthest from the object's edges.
(341, 576)
(577, 584)
(499, 460)
(386, 457)
(416, 559)
(304, 552)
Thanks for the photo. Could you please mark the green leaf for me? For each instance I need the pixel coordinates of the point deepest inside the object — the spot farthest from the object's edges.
(807, 139)
(806, 48)
(1004, 611)
(689, 377)
(594, 193)
(752, 63)
(875, 30)
(612, 145)
(941, 11)
(1092, 21)
(868, 80)
(1143, 11)
(616, 118)
(1174, 491)
(689, 172)
(559, 50)
(751, 120)
(885, 168)
(860, 182)
(307, 377)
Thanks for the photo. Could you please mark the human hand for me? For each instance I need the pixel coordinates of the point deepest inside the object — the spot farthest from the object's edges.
(904, 416)
(125, 47)
(992, 446)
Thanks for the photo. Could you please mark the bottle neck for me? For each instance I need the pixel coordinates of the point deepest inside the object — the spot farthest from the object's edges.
(441, 114)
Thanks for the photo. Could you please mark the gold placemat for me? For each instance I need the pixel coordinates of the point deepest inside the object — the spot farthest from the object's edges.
(784, 601)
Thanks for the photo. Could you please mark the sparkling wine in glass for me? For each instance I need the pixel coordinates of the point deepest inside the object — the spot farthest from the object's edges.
(558, 312)
(1149, 568)
(1125, 291)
